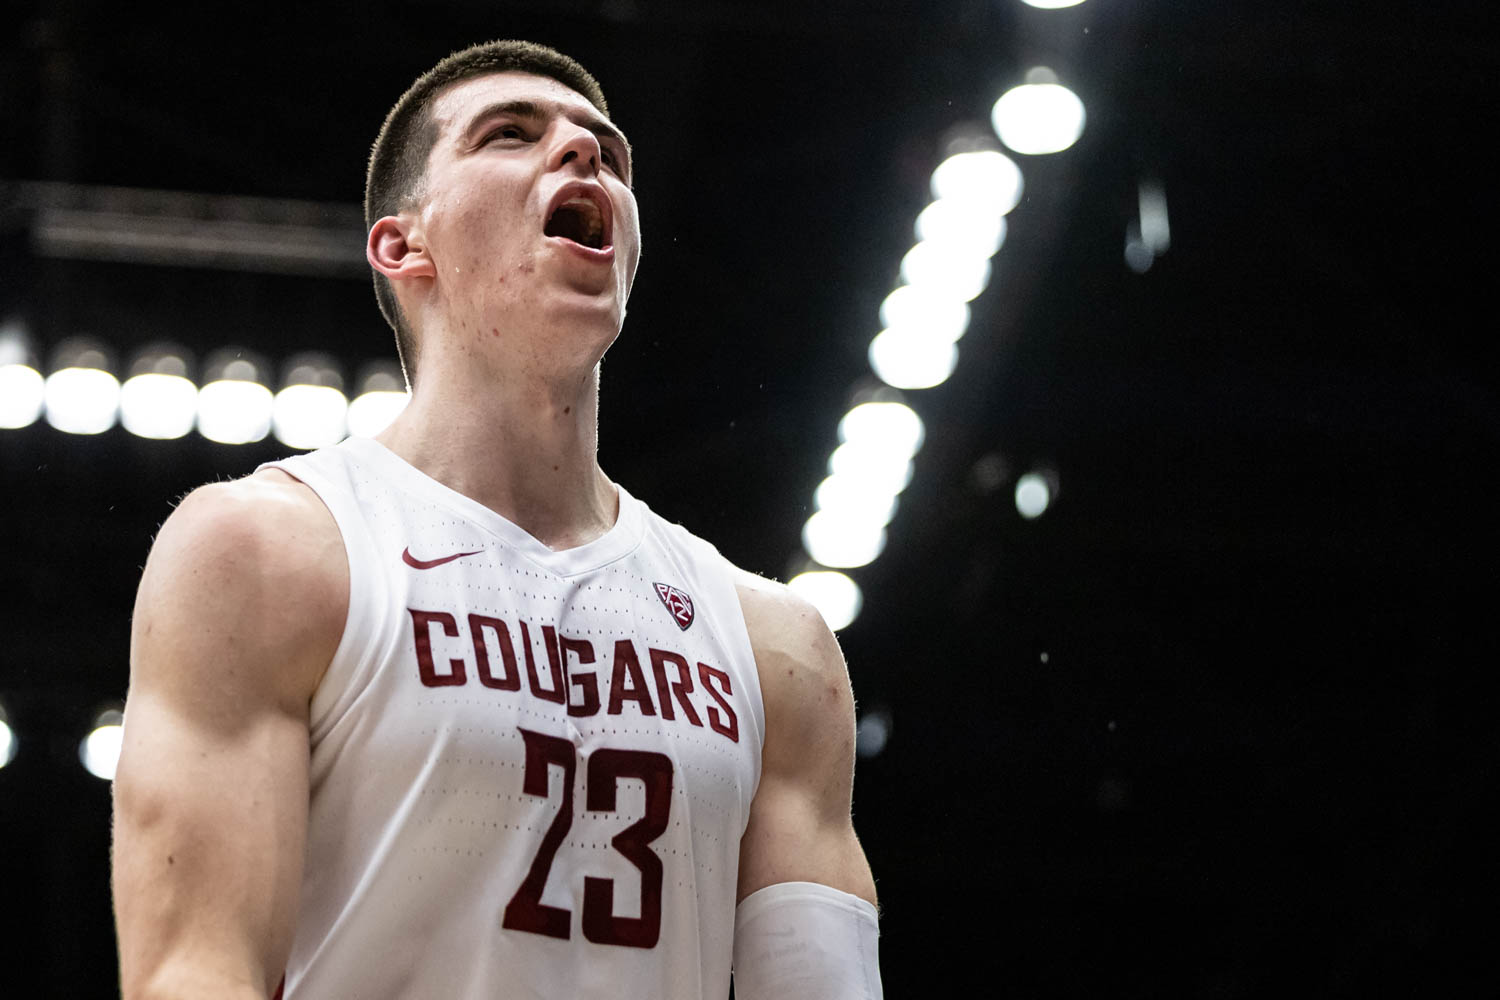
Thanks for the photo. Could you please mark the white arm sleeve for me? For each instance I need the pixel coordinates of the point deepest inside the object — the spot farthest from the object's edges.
(805, 941)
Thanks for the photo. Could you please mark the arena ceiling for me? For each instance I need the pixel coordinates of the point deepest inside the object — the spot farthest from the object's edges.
(1210, 725)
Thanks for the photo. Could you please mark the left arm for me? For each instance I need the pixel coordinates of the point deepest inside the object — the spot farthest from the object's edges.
(801, 828)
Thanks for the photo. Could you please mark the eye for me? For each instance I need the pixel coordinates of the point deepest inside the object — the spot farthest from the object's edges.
(506, 132)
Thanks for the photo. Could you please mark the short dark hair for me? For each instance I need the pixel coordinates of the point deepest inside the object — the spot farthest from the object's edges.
(398, 160)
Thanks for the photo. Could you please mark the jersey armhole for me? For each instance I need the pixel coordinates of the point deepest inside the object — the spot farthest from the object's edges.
(353, 660)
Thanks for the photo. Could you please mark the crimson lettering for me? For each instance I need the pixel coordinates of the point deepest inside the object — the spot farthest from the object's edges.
(680, 687)
(554, 661)
(628, 668)
(585, 682)
(422, 622)
(728, 725)
(510, 676)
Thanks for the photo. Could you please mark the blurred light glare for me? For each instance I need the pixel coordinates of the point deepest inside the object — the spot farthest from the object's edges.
(234, 411)
(22, 395)
(310, 416)
(942, 317)
(158, 406)
(834, 594)
(841, 541)
(100, 749)
(908, 359)
(887, 425)
(1033, 494)
(1052, 4)
(987, 181)
(372, 412)
(881, 469)
(1038, 118)
(872, 733)
(853, 497)
(953, 223)
(7, 743)
(946, 269)
(81, 400)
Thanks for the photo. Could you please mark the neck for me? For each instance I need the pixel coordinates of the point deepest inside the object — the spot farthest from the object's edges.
(526, 449)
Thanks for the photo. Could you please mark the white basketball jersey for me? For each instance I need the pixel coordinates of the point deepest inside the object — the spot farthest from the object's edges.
(530, 769)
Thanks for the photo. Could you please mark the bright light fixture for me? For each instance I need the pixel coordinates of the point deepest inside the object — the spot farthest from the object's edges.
(310, 416)
(841, 541)
(7, 740)
(372, 412)
(100, 749)
(1052, 4)
(854, 497)
(884, 425)
(22, 394)
(986, 180)
(946, 269)
(881, 469)
(1038, 118)
(942, 317)
(1033, 494)
(909, 359)
(953, 223)
(158, 406)
(234, 411)
(81, 400)
(834, 594)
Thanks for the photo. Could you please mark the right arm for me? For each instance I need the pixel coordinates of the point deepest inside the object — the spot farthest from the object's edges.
(240, 608)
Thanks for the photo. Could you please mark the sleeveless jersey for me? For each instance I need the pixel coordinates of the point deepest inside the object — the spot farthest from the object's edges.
(530, 769)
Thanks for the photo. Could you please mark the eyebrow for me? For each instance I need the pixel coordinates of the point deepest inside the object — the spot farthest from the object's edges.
(531, 109)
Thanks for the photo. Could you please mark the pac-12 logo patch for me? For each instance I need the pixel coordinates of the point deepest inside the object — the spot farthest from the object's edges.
(678, 604)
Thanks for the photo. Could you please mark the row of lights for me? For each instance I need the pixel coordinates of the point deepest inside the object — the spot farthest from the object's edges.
(233, 404)
(99, 751)
(922, 321)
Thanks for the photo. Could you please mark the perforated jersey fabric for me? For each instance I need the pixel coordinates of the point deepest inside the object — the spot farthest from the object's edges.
(530, 770)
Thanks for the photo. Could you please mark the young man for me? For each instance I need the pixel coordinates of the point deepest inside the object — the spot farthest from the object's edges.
(450, 714)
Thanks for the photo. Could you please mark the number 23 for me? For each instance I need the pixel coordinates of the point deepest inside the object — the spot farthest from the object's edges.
(526, 911)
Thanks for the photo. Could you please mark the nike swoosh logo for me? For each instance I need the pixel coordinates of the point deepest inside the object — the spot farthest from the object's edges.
(416, 563)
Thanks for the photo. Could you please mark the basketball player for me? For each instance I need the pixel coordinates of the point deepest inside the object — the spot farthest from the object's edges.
(448, 713)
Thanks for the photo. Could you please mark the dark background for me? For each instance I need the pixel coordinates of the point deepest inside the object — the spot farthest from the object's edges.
(1213, 725)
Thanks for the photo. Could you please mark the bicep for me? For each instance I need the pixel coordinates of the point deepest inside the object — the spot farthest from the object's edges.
(801, 828)
(210, 796)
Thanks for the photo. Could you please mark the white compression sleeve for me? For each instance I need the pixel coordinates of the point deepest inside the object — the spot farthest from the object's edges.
(805, 941)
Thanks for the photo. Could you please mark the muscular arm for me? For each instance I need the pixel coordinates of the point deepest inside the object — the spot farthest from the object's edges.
(239, 610)
(800, 827)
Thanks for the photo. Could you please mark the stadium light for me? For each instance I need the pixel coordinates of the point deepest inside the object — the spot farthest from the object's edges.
(986, 180)
(159, 399)
(950, 222)
(311, 410)
(949, 269)
(22, 386)
(7, 739)
(234, 405)
(938, 316)
(910, 359)
(100, 749)
(834, 594)
(841, 541)
(81, 395)
(1034, 494)
(1041, 116)
(381, 396)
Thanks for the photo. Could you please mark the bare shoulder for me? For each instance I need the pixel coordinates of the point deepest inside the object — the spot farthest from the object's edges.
(256, 566)
(804, 680)
(786, 631)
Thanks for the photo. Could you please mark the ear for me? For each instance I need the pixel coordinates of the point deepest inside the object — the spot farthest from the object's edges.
(395, 248)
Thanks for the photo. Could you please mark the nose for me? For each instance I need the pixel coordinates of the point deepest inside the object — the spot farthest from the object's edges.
(578, 145)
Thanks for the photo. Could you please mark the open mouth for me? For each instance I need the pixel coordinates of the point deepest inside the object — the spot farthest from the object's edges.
(580, 219)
